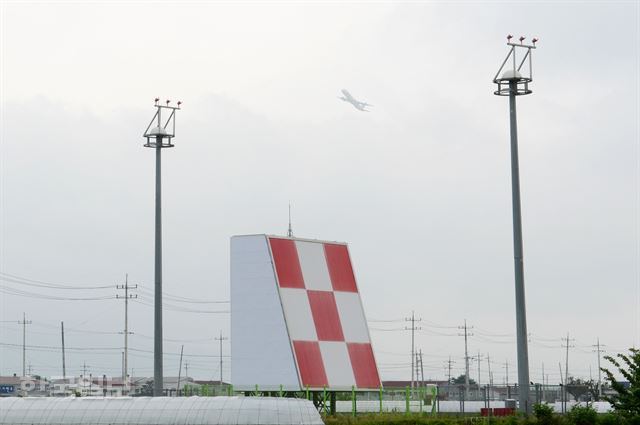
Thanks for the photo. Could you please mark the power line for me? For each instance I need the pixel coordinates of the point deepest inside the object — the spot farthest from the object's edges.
(7, 277)
(49, 285)
(21, 293)
(179, 298)
(184, 309)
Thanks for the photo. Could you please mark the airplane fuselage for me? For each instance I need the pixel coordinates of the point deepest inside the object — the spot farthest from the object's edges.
(350, 99)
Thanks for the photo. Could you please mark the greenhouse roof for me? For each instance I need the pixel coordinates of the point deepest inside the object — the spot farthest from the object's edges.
(158, 411)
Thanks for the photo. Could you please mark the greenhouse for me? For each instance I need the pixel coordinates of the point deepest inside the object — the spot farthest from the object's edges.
(158, 411)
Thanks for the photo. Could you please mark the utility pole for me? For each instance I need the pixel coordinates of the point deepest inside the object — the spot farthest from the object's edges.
(24, 324)
(64, 367)
(421, 369)
(221, 338)
(159, 137)
(511, 83)
(449, 363)
(84, 369)
(413, 329)
(179, 372)
(186, 370)
(126, 297)
(29, 369)
(543, 387)
(466, 334)
(490, 376)
(599, 351)
(563, 394)
(506, 376)
(479, 358)
(417, 370)
(566, 365)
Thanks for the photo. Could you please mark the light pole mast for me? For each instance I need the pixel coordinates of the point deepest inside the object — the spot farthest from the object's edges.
(159, 137)
(512, 83)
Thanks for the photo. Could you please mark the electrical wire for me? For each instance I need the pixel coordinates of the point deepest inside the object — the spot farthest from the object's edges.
(7, 277)
(27, 294)
(181, 299)
(180, 309)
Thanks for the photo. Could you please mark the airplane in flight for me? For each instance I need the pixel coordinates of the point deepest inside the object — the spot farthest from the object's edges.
(361, 106)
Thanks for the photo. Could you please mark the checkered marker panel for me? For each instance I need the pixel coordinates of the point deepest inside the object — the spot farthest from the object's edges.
(323, 314)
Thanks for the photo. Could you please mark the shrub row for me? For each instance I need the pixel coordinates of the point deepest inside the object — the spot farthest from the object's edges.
(542, 416)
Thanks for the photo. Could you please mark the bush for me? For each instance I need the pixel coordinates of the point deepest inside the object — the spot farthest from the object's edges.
(582, 415)
(543, 413)
(611, 419)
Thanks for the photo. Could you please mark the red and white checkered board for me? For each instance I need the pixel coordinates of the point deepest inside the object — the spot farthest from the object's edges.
(323, 313)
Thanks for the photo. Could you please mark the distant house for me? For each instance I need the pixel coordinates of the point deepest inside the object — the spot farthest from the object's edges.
(388, 385)
(23, 386)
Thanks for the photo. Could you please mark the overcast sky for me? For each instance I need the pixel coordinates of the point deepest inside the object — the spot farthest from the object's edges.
(419, 187)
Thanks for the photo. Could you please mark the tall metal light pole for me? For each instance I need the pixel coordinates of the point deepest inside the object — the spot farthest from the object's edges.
(512, 83)
(159, 137)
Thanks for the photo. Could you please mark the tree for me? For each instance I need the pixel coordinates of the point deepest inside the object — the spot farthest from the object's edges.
(626, 401)
(578, 387)
(146, 390)
(461, 380)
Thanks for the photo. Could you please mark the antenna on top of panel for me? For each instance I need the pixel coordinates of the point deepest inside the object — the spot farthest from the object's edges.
(290, 230)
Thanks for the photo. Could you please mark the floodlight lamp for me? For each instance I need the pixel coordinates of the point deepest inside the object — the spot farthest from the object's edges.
(511, 74)
(158, 131)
